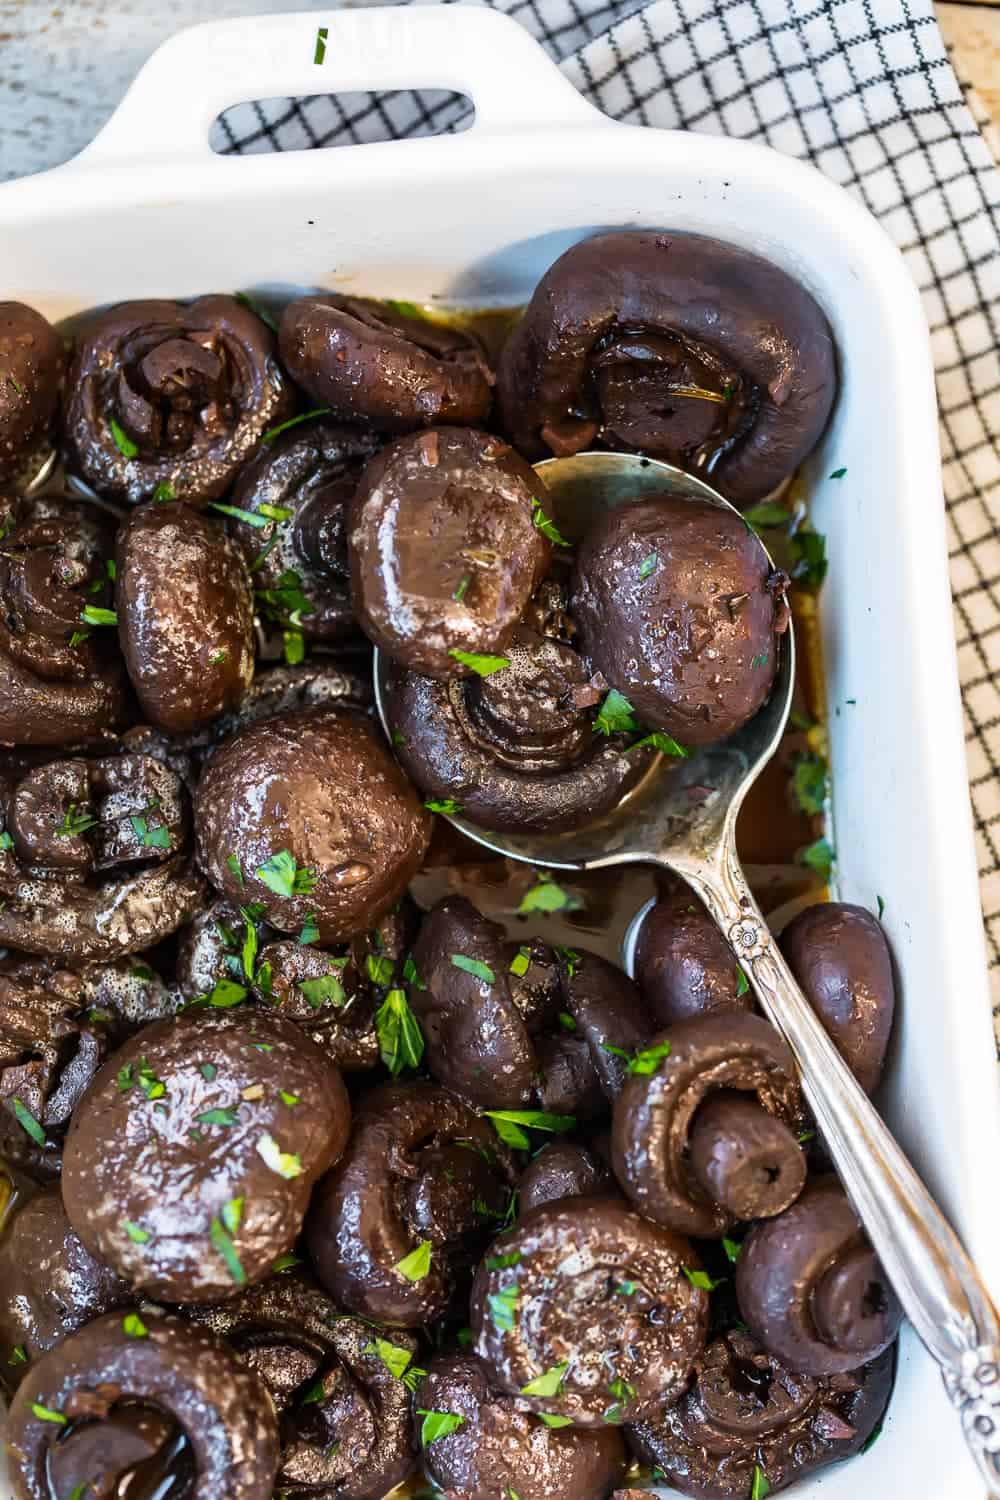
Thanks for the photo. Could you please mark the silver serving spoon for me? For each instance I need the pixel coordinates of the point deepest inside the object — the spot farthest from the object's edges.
(695, 837)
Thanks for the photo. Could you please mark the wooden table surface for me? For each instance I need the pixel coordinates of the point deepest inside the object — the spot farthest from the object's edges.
(972, 33)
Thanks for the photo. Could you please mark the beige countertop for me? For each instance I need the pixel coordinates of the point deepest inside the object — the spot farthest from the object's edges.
(972, 33)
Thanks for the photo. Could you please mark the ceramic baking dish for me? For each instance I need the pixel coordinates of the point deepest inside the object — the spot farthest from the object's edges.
(149, 210)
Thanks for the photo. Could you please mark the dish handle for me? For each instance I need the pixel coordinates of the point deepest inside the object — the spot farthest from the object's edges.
(201, 71)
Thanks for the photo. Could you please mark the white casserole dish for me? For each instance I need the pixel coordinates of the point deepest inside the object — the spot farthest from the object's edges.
(148, 210)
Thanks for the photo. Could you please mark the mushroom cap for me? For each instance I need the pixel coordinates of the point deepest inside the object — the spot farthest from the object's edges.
(623, 320)
(185, 616)
(319, 788)
(501, 1447)
(562, 1170)
(589, 1302)
(155, 1200)
(370, 362)
(420, 1167)
(693, 643)
(655, 1112)
(683, 965)
(32, 362)
(839, 955)
(189, 1383)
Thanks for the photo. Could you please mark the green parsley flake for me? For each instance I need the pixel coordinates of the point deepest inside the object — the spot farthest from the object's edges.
(769, 514)
(547, 896)
(150, 838)
(163, 492)
(474, 967)
(294, 645)
(218, 1117)
(91, 615)
(761, 660)
(126, 447)
(760, 1486)
(286, 1163)
(616, 715)
(551, 1419)
(664, 743)
(222, 1243)
(310, 932)
(838, 473)
(549, 1383)
(76, 820)
(546, 525)
(437, 1424)
(521, 962)
(291, 1100)
(447, 806)
(416, 1265)
(463, 584)
(648, 1059)
(136, 1233)
(326, 990)
(18, 1355)
(648, 565)
(881, 907)
(257, 308)
(818, 856)
(625, 1288)
(282, 875)
(134, 1327)
(503, 1306)
(484, 665)
(306, 416)
(395, 1359)
(508, 1122)
(47, 1414)
(742, 984)
(207, 1071)
(226, 994)
(810, 782)
(27, 1122)
(234, 868)
(701, 1279)
(502, 1262)
(248, 517)
(286, 1262)
(400, 1040)
(379, 969)
(732, 1249)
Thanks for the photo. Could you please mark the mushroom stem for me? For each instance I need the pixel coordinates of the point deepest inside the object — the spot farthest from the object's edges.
(850, 1305)
(744, 1158)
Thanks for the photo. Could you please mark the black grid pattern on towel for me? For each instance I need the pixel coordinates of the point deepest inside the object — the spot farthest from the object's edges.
(865, 90)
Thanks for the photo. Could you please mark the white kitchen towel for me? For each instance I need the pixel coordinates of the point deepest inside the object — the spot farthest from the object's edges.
(865, 90)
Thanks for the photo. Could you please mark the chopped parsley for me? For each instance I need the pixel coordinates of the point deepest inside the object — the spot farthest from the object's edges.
(294, 646)
(395, 1359)
(625, 1288)
(218, 1117)
(437, 1424)
(809, 782)
(546, 525)
(207, 1071)
(615, 715)
(249, 517)
(549, 1383)
(379, 969)
(90, 614)
(742, 984)
(446, 805)
(326, 990)
(881, 907)
(225, 994)
(872, 1437)
(463, 584)
(287, 1164)
(27, 1122)
(286, 1262)
(48, 1414)
(218, 657)
(416, 1265)
(502, 1262)
(552, 1419)
(503, 1306)
(838, 473)
(77, 638)
(18, 1355)
(701, 1279)
(521, 962)
(665, 743)
(284, 877)
(291, 1100)
(257, 308)
(310, 932)
(648, 565)
(306, 416)
(769, 514)
(136, 1233)
(473, 966)
(133, 1327)
(760, 1486)
(235, 869)
(163, 492)
(508, 1122)
(732, 1249)
(150, 838)
(400, 1040)
(761, 660)
(78, 819)
(648, 1059)
(222, 1243)
(818, 856)
(126, 447)
(484, 665)
(809, 551)
(547, 896)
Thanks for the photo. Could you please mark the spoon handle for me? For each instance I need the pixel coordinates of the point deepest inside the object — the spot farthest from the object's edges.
(937, 1284)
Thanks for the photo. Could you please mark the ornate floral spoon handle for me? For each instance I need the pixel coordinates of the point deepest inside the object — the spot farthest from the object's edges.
(937, 1284)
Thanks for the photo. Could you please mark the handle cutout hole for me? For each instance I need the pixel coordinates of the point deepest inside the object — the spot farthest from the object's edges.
(348, 119)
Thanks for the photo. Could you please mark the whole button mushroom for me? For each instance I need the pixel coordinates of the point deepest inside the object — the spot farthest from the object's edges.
(515, 747)
(584, 1310)
(749, 1420)
(683, 965)
(49, 1284)
(393, 1228)
(376, 363)
(189, 1164)
(62, 681)
(504, 1027)
(185, 616)
(297, 491)
(96, 865)
(704, 1131)
(32, 361)
(310, 815)
(346, 1429)
(480, 1442)
(680, 609)
(562, 1170)
(839, 955)
(168, 400)
(811, 1288)
(675, 345)
(445, 553)
(127, 1391)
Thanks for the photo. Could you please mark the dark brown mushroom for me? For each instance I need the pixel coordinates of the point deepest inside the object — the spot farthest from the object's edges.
(97, 863)
(32, 361)
(705, 1135)
(840, 957)
(62, 682)
(679, 608)
(50, 1284)
(111, 1401)
(675, 345)
(372, 362)
(683, 965)
(811, 1288)
(297, 490)
(168, 400)
(189, 1164)
(748, 1420)
(395, 1227)
(444, 550)
(328, 994)
(309, 814)
(499, 1447)
(584, 1310)
(562, 1170)
(210, 948)
(516, 749)
(504, 1028)
(336, 1382)
(185, 616)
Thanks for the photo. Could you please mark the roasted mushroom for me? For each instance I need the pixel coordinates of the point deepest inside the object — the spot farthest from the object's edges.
(61, 679)
(343, 1407)
(376, 363)
(309, 814)
(683, 965)
(445, 553)
(839, 955)
(95, 861)
(585, 1311)
(680, 609)
(396, 1225)
(748, 1421)
(675, 345)
(50, 1284)
(168, 400)
(704, 1133)
(145, 1396)
(32, 360)
(516, 749)
(189, 1164)
(504, 1026)
(185, 616)
(811, 1288)
(297, 491)
(480, 1442)
(562, 1170)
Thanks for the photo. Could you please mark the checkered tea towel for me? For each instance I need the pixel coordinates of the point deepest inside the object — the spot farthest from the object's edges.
(865, 90)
